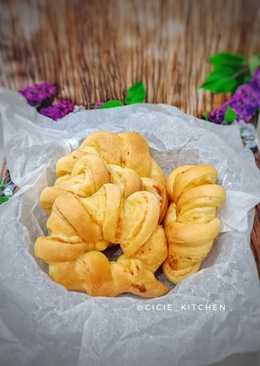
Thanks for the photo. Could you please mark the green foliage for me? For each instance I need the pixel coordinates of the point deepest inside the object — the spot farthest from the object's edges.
(230, 115)
(3, 199)
(205, 115)
(1, 183)
(254, 63)
(229, 71)
(135, 94)
(112, 104)
(227, 59)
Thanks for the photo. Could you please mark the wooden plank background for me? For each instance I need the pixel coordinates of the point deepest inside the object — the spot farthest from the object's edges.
(95, 49)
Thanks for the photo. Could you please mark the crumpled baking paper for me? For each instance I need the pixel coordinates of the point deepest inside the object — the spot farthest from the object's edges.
(210, 315)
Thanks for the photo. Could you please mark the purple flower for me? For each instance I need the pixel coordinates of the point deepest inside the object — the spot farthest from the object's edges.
(98, 103)
(58, 110)
(256, 79)
(217, 115)
(37, 94)
(245, 102)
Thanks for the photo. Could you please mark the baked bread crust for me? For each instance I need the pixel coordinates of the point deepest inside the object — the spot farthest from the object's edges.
(109, 191)
(191, 224)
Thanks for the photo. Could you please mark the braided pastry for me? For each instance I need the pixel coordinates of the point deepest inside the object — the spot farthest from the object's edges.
(80, 225)
(93, 273)
(191, 224)
(107, 157)
(110, 191)
(128, 149)
(88, 175)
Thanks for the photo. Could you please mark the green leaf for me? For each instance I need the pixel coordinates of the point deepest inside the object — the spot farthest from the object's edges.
(229, 71)
(254, 63)
(112, 104)
(2, 183)
(230, 115)
(3, 199)
(223, 71)
(225, 78)
(219, 83)
(135, 94)
(226, 58)
(205, 115)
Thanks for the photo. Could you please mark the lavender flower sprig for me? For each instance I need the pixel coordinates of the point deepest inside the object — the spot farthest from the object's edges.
(37, 94)
(245, 102)
(58, 110)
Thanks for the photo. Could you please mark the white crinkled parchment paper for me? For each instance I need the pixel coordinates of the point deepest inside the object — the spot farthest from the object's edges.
(43, 324)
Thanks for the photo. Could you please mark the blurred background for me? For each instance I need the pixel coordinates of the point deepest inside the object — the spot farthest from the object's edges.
(94, 50)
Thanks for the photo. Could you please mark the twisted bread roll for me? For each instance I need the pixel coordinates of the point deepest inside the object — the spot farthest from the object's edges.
(105, 217)
(79, 225)
(65, 164)
(106, 157)
(159, 189)
(125, 149)
(88, 175)
(94, 274)
(187, 177)
(191, 224)
(108, 191)
(153, 252)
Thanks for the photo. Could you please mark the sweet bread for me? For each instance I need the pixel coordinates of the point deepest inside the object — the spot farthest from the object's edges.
(89, 173)
(78, 226)
(127, 149)
(107, 157)
(191, 224)
(110, 192)
(93, 273)
(103, 218)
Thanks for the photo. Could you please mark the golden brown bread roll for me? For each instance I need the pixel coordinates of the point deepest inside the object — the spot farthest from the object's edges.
(157, 173)
(65, 164)
(127, 178)
(186, 177)
(60, 248)
(107, 145)
(125, 149)
(88, 174)
(109, 191)
(139, 221)
(191, 224)
(93, 273)
(154, 251)
(86, 184)
(106, 157)
(207, 195)
(128, 149)
(154, 186)
(80, 225)
(107, 216)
